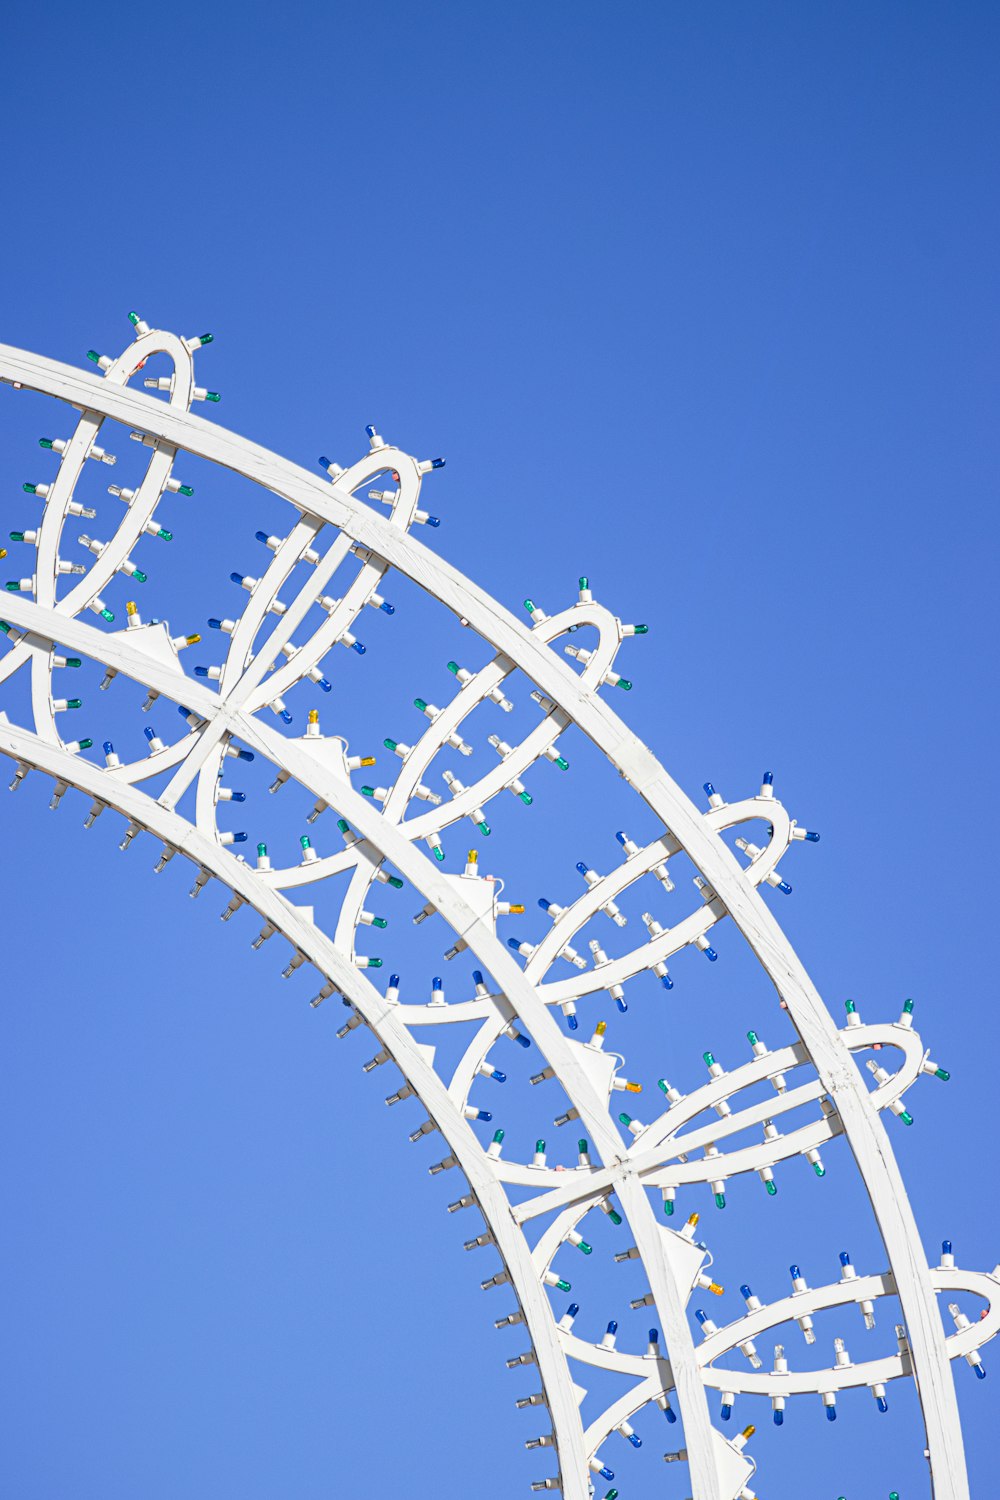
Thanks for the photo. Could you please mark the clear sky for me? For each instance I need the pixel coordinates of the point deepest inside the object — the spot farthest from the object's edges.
(699, 300)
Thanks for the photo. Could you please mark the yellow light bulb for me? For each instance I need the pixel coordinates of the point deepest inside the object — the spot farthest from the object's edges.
(473, 857)
(131, 608)
(694, 1219)
(633, 1088)
(716, 1288)
(601, 1028)
(518, 909)
(314, 716)
(192, 640)
(368, 760)
(748, 1432)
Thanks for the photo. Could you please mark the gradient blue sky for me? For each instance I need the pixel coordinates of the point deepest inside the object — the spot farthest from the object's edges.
(700, 300)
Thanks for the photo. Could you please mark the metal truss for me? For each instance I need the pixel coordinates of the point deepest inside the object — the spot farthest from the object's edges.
(393, 835)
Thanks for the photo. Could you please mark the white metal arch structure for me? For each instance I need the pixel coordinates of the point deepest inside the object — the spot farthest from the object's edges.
(268, 654)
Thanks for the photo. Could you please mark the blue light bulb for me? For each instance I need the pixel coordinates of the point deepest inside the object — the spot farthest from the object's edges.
(881, 1403)
(437, 463)
(945, 1244)
(581, 867)
(768, 779)
(238, 797)
(711, 955)
(324, 463)
(201, 671)
(236, 577)
(215, 624)
(325, 684)
(709, 789)
(745, 1291)
(498, 1076)
(622, 1005)
(635, 1439)
(813, 838)
(666, 981)
(239, 838)
(285, 716)
(483, 1114)
(370, 430)
(513, 943)
(980, 1371)
(654, 1335)
(779, 1417)
(612, 1326)
(543, 903)
(357, 646)
(261, 536)
(393, 981)
(606, 1473)
(670, 1414)
(845, 1258)
(109, 748)
(725, 1411)
(387, 608)
(621, 839)
(244, 755)
(572, 1023)
(572, 1310)
(701, 1314)
(784, 887)
(794, 1272)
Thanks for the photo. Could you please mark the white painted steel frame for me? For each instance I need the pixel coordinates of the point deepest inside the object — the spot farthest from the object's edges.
(735, 891)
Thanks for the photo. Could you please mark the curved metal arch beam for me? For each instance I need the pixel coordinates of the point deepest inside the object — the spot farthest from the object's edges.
(425, 877)
(863, 1129)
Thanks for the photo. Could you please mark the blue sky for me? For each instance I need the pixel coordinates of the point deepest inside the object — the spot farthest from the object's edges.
(700, 301)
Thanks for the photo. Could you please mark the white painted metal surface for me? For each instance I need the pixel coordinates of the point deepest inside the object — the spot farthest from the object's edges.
(231, 711)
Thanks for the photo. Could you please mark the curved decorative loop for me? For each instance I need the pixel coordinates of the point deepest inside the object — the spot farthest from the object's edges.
(304, 598)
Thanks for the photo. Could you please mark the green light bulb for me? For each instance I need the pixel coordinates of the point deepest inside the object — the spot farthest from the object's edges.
(380, 922)
(395, 882)
(109, 615)
(86, 744)
(140, 576)
(390, 744)
(668, 1207)
(185, 489)
(45, 442)
(561, 763)
(772, 1188)
(624, 683)
(526, 798)
(720, 1200)
(439, 854)
(420, 703)
(752, 1038)
(563, 1286)
(484, 828)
